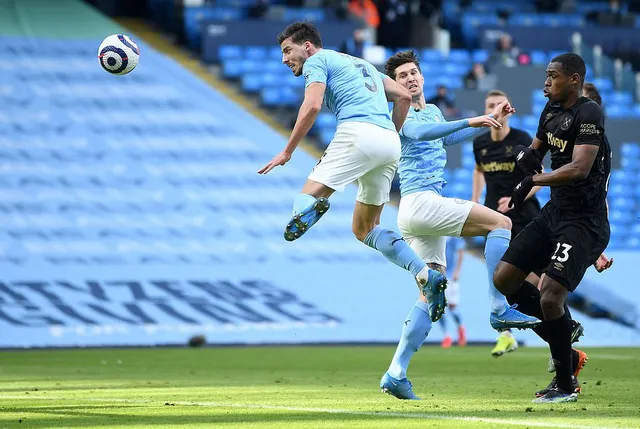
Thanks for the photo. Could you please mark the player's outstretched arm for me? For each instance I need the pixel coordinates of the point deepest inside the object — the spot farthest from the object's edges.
(429, 131)
(578, 169)
(313, 96)
(401, 99)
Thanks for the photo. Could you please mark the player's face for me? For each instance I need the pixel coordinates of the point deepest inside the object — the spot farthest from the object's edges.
(410, 77)
(294, 56)
(557, 86)
(491, 102)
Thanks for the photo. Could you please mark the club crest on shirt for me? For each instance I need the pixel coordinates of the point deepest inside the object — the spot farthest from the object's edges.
(566, 123)
(483, 152)
(508, 150)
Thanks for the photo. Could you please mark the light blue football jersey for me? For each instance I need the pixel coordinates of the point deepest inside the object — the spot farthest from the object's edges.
(422, 162)
(355, 92)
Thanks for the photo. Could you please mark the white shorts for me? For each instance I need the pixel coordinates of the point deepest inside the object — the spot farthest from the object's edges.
(425, 219)
(363, 152)
(452, 292)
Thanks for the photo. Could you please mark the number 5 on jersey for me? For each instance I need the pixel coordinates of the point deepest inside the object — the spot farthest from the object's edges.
(564, 253)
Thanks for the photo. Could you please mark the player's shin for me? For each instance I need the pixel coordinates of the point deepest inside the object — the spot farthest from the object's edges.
(528, 300)
(415, 330)
(395, 249)
(496, 244)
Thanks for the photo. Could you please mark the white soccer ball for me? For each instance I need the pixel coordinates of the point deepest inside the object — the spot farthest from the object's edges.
(118, 54)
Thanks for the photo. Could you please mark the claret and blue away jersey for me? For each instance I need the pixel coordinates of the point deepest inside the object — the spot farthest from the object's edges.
(355, 92)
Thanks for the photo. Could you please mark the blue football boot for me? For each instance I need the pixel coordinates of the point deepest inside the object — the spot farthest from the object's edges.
(432, 284)
(304, 220)
(401, 389)
(512, 318)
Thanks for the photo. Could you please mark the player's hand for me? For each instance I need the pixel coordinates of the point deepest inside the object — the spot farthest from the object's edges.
(484, 121)
(603, 263)
(503, 204)
(503, 110)
(529, 160)
(520, 193)
(280, 159)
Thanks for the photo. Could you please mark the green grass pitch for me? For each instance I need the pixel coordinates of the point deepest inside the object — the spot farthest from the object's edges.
(306, 387)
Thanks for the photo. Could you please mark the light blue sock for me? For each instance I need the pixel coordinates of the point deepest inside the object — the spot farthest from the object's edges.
(497, 243)
(395, 249)
(415, 331)
(301, 202)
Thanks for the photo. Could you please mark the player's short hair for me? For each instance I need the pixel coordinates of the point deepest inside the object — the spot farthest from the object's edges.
(301, 32)
(496, 93)
(398, 59)
(592, 92)
(571, 63)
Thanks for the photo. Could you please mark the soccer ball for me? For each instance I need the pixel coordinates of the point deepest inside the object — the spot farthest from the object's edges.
(118, 54)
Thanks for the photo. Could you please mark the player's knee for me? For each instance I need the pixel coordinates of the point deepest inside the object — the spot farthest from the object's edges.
(502, 222)
(551, 303)
(361, 231)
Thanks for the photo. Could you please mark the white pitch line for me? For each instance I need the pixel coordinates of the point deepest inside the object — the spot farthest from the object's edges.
(426, 416)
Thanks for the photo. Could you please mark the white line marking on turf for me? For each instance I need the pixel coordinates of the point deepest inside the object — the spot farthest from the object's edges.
(529, 423)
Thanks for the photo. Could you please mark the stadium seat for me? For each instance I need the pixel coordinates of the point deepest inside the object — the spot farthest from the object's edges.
(630, 150)
(460, 56)
(228, 52)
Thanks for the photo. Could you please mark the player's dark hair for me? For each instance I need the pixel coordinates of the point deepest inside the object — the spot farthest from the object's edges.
(398, 59)
(571, 63)
(496, 93)
(301, 32)
(591, 92)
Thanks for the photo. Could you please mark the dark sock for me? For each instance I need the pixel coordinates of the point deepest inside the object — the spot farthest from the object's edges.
(560, 345)
(528, 300)
(567, 312)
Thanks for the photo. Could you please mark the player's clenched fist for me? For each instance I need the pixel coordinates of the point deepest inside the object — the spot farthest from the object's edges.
(529, 160)
(520, 193)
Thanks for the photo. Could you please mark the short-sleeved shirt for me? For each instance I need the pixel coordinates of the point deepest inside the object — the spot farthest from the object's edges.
(355, 91)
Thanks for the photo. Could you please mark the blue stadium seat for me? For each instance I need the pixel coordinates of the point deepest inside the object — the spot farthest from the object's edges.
(618, 111)
(603, 84)
(228, 52)
(630, 164)
(256, 53)
(630, 150)
(275, 53)
(431, 55)
(460, 56)
(454, 69)
(326, 120)
(538, 96)
(304, 14)
(480, 56)
(624, 98)
(538, 57)
(530, 121)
